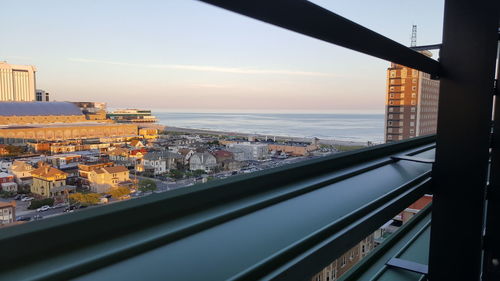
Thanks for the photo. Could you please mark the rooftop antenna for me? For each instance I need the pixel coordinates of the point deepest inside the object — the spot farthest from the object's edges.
(414, 36)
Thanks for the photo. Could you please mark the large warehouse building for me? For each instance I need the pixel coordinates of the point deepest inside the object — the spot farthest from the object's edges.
(21, 121)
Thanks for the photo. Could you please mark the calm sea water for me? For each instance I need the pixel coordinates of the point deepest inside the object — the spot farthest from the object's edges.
(347, 127)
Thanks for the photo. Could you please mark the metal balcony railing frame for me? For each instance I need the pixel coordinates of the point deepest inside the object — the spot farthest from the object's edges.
(466, 70)
(122, 240)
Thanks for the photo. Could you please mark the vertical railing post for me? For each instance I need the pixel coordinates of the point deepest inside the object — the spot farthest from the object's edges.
(491, 266)
(463, 138)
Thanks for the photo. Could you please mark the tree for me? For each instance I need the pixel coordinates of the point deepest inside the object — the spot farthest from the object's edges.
(198, 172)
(147, 185)
(35, 204)
(118, 192)
(176, 174)
(85, 198)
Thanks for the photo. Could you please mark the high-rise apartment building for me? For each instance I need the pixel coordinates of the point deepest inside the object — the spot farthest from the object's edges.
(17, 82)
(411, 103)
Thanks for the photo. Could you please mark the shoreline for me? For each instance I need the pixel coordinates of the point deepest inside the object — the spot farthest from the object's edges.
(281, 138)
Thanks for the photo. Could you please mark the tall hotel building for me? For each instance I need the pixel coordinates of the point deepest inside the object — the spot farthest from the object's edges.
(411, 103)
(17, 82)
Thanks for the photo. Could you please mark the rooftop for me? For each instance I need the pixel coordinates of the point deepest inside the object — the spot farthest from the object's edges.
(38, 109)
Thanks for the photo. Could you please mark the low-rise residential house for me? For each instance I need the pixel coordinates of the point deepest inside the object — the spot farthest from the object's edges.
(251, 151)
(7, 182)
(85, 169)
(119, 155)
(5, 165)
(161, 161)
(61, 192)
(137, 154)
(7, 212)
(4, 150)
(225, 160)
(202, 161)
(186, 154)
(231, 165)
(22, 172)
(103, 179)
(223, 155)
(65, 161)
(45, 178)
(136, 144)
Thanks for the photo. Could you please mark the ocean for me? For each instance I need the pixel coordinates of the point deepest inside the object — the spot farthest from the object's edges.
(342, 127)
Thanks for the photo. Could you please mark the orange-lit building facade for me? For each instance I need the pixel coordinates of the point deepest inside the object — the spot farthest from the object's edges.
(411, 103)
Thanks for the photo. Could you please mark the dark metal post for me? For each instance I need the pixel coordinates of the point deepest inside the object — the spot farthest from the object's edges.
(465, 104)
(491, 267)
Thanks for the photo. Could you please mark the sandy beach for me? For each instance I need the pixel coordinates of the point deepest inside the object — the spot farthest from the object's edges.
(278, 138)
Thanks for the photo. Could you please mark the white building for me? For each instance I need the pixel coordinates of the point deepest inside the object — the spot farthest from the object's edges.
(251, 151)
(17, 82)
(161, 161)
(202, 161)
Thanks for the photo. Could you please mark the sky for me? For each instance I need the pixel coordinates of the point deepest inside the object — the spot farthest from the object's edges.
(185, 55)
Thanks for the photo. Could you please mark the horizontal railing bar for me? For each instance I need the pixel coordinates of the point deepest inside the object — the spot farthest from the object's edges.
(312, 20)
(426, 47)
(346, 228)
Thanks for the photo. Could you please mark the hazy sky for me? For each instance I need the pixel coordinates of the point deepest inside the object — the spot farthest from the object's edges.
(185, 54)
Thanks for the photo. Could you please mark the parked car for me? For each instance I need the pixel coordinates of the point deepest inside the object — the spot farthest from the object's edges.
(25, 199)
(43, 208)
(23, 218)
(19, 196)
(70, 208)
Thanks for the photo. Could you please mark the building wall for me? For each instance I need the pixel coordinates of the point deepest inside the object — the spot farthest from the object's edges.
(46, 119)
(8, 212)
(342, 264)
(290, 149)
(42, 187)
(102, 182)
(70, 132)
(411, 103)
(17, 82)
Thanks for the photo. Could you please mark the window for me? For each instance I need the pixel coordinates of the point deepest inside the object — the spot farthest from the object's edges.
(402, 95)
(343, 262)
(391, 89)
(413, 102)
(412, 131)
(401, 116)
(389, 123)
(412, 116)
(412, 124)
(413, 109)
(391, 116)
(391, 109)
(393, 73)
(414, 81)
(391, 95)
(413, 95)
(400, 130)
(402, 88)
(413, 88)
